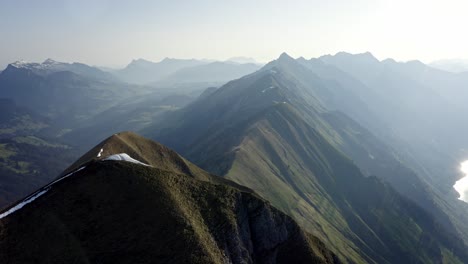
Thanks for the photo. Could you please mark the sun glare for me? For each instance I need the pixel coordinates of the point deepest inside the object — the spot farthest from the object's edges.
(464, 167)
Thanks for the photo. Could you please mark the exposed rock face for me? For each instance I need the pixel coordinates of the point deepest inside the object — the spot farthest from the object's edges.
(262, 234)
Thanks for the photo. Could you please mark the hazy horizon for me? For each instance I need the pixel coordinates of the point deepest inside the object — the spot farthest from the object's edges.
(112, 33)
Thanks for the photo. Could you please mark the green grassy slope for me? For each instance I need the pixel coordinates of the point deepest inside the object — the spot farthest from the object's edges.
(301, 173)
(269, 131)
(291, 164)
(407, 108)
(114, 211)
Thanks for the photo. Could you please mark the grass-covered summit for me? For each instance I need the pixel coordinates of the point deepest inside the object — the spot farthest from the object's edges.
(169, 212)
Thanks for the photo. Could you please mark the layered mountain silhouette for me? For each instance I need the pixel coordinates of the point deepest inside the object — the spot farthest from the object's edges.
(418, 109)
(131, 200)
(278, 132)
(411, 99)
(63, 92)
(142, 71)
(214, 73)
(179, 73)
(50, 66)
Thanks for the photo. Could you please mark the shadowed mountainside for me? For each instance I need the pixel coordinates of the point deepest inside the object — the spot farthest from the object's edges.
(169, 212)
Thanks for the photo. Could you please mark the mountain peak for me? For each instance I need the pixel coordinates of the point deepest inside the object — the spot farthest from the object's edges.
(34, 65)
(368, 56)
(389, 61)
(138, 148)
(50, 61)
(416, 63)
(365, 55)
(146, 209)
(166, 59)
(21, 64)
(140, 60)
(285, 56)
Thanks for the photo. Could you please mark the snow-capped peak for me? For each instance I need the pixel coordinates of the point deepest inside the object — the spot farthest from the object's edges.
(24, 64)
(47, 65)
(50, 61)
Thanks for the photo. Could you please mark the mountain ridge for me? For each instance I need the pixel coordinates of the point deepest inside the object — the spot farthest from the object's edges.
(280, 135)
(185, 220)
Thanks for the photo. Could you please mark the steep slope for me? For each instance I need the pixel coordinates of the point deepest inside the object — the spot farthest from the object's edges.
(115, 211)
(385, 155)
(419, 109)
(311, 179)
(419, 104)
(269, 131)
(286, 80)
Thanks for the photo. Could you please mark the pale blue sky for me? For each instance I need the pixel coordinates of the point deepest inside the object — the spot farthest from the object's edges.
(113, 32)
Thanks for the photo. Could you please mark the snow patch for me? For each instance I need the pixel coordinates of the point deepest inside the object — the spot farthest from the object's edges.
(461, 186)
(66, 176)
(49, 64)
(23, 203)
(100, 153)
(269, 88)
(276, 102)
(35, 195)
(125, 157)
(24, 64)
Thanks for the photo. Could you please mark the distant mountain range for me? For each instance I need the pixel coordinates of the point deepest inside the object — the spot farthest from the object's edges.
(171, 71)
(142, 71)
(360, 153)
(274, 124)
(61, 91)
(214, 73)
(242, 60)
(51, 66)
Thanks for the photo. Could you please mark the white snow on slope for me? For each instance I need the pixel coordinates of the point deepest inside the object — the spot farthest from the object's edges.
(461, 186)
(100, 153)
(66, 176)
(264, 90)
(23, 203)
(35, 195)
(125, 157)
(47, 64)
